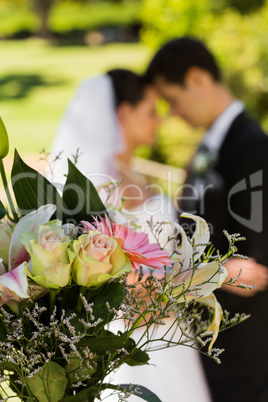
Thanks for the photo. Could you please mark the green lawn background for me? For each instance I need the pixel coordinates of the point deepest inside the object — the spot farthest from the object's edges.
(37, 81)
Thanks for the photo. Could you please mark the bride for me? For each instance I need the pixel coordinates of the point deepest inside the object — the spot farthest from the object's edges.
(109, 116)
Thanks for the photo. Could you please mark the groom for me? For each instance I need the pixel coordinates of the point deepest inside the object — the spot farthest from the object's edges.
(227, 184)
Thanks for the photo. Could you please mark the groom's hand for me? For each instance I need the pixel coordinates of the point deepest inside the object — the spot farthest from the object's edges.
(252, 274)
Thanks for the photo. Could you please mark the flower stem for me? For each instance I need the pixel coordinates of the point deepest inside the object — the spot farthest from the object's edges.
(142, 317)
(226, 256)
(4, 179)
(79, 300)
(52, 295)
(138, 322)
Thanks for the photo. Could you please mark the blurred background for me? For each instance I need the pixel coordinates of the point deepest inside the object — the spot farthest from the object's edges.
(47, 47)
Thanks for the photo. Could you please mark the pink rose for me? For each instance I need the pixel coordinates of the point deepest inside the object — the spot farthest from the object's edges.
(98, 259)
(51, 239)
(100, 247)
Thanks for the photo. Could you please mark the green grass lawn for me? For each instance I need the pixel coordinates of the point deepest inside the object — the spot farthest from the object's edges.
(37, 81)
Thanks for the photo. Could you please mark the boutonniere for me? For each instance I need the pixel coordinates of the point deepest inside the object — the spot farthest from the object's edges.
(202, 161)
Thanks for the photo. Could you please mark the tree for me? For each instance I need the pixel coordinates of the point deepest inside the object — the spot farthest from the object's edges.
(42, 8)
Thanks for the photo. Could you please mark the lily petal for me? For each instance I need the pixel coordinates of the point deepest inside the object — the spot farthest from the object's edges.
(16, 281)
(2, 267)
(214, 326)
(185, 250)
(118, 217)
(207, 277)
(201, 235)
(29, 223)
(210, 276)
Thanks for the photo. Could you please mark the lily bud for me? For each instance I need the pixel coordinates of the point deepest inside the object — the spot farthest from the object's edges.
(4, 143)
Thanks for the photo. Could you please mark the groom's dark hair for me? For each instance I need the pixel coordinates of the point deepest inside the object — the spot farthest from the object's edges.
(175, 58)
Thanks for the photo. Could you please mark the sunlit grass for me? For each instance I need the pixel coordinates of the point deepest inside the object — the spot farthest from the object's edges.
(37, 81)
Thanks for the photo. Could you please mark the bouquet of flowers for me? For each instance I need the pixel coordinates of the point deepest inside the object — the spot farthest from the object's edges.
(70, 267)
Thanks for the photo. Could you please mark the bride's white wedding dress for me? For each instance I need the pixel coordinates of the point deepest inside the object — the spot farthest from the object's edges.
(174, 374)
(90, 124)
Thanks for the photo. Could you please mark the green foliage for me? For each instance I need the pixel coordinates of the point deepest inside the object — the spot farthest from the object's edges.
(243, 6)
(80, 196)
(16, 18)
(141, 392)
(177, 141)
(138, 358)
(102, 344)
(76, 367)
(2, 214)
(49, 384)
(66, 16)
(31, 189)
(93, 15)
(165, 19)
(3, 337)
(80, 199)
(112, 293)
(85, 395)
(4, 143)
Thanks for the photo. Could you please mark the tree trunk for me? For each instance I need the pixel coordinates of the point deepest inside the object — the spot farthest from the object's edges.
(42, 8)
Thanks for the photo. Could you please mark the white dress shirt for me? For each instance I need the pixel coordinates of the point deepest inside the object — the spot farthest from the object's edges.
(207, 153)
(216, 134)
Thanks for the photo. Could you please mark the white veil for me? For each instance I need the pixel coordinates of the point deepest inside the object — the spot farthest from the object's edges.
(90, 124)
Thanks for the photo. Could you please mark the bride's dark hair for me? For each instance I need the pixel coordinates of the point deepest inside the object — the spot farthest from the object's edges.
(128, 86)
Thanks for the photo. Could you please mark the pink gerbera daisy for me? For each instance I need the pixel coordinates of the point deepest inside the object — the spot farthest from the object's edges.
(136, 245)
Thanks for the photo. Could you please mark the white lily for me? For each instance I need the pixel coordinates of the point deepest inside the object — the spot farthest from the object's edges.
(14, 283)
(198, 282)
(214, 326)
(200, 239)
(2, 267)
(29, 223)
(5, 239)
(117, 217)
(201, 281)
(189, 251)
(13, 286)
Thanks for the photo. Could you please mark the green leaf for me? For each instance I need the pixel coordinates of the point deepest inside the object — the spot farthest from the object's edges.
(8, 366)
(138, 358)
(81, 197)
(3, 211)
(105, 343)
(82, 396)
(77, 370)
(31, 189)
(49, 383)
(113, 293)
(3, 334)
(4, 142)
(141, 391)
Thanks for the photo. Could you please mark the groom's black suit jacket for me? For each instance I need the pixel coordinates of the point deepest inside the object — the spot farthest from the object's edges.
(240, 173)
